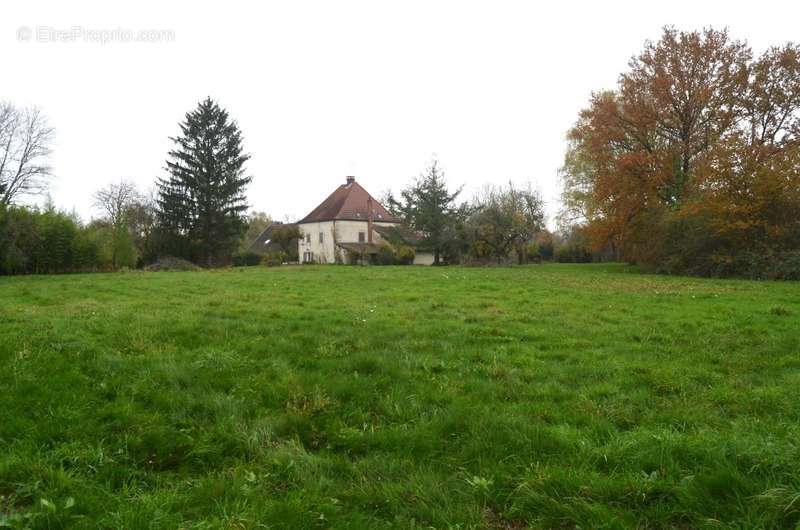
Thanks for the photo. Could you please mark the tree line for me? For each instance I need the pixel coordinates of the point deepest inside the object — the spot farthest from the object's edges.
(692, 164)
(501, 224)
(198, 210)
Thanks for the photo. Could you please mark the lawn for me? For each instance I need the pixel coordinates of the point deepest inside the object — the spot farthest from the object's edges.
(567, 396)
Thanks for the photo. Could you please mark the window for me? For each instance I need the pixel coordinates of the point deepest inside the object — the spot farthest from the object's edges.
(361, 237)
(308, 238)
(321, 237)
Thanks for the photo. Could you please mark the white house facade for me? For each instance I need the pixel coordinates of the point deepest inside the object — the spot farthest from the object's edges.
(346, 224)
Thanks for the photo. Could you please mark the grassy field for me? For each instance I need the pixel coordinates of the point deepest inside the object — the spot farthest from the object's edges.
(549, 396)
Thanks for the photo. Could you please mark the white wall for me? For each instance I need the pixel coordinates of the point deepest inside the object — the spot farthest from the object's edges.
(423, 258)
(323, 252)
(333, 232)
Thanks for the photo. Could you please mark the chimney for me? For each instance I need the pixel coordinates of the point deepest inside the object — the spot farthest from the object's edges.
(369, 220)
(350, 179)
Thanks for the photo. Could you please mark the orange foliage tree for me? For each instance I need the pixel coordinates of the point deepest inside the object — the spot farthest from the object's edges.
(693, 163)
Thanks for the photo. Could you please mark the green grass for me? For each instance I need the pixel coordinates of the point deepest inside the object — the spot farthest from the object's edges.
(341, 397)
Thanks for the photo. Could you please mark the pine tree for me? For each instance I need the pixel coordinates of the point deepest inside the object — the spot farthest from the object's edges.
(427, 206)
(201, 204)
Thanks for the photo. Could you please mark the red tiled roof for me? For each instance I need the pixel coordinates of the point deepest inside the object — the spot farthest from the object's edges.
(349, 201)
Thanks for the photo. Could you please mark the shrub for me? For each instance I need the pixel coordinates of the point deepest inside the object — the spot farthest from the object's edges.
(405, 254)
(788, 266)
(545, 247)
(532, 251)
(273, 259)
(574, 254)
(34, 241)
(246, 259)
(385, 254)
(172, 264)
(395, 255)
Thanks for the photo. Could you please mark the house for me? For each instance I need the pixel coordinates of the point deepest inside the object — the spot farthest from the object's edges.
(351, 225)
(266, 242)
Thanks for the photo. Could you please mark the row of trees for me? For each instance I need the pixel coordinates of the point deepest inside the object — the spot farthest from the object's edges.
(46, 240)
(692, 164)
(197, 212)
(498, 224)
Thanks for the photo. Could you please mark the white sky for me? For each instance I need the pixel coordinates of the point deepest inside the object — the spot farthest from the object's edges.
(326, 89)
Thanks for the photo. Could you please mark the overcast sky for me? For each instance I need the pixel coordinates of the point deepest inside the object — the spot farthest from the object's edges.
(326, 89)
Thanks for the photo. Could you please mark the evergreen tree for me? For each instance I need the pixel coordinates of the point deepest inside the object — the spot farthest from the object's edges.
(427, 206)
(201, 203)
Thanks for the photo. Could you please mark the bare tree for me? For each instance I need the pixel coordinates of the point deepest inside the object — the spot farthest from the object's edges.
(25, 140)
(142, 219)
(506, 218)
(116, 199)
(119, 202)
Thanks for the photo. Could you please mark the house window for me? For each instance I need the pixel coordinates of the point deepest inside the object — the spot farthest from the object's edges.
(361, 237)
(321, 237)
(308, 238)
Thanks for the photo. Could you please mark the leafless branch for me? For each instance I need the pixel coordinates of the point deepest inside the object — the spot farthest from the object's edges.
(115, 199)
(25, 140)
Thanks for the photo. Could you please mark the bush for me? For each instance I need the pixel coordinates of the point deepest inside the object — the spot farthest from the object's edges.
(246, 259)
(172, 264)
(395, 255)
(692, 243)
(34, 241)
(574, 254)
(385, 255)
(788, 266)
(273, 259)
(546, 248)
(405, 254)
(532, 252)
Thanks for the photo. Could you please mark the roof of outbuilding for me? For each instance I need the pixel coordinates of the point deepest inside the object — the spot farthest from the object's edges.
(395, 234)
(349, 202)
(264, 243)
(361, 248)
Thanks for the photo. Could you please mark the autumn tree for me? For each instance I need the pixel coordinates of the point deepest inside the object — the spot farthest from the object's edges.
(697, 142)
